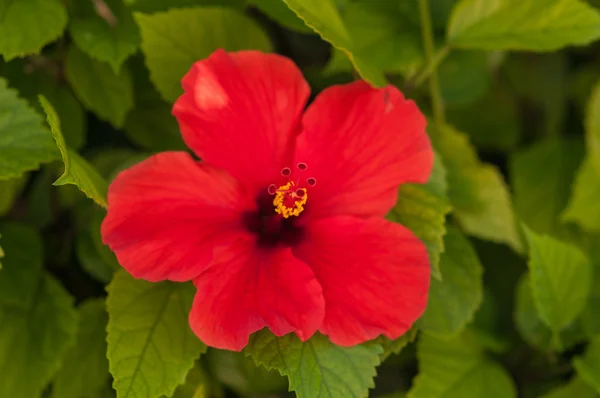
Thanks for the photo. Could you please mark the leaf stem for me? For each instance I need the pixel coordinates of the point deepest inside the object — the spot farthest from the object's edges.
(440, 56)
(434, 85)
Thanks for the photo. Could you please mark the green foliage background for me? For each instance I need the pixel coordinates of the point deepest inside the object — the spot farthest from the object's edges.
(510, 216)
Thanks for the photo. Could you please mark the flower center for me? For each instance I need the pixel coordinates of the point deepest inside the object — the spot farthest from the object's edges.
(290, 198)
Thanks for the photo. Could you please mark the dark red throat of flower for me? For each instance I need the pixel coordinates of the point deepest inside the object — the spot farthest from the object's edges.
(276, 222)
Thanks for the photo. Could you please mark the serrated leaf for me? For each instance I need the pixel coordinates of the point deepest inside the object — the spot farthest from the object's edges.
(477, 191)
(151, 347)
(376, 35)
(454, 300)
(85, 367)
(109, 37)
(533, 330)
(457, 369)
(279, 12)
(576, 388)
(423, 209)
(535, 25)
(541, 176)
(588, 366)
(78, 171)
(101, 91)
(395, 346)
(24, 142)
(174, 40)
(30, 84)
(28, 25)
(38, 324)
(560, 280)
(317, 368)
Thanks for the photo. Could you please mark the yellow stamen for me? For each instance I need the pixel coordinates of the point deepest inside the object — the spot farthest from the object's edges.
(287, 191)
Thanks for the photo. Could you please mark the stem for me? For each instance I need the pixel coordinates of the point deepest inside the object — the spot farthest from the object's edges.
(432, 66)
(434, 85)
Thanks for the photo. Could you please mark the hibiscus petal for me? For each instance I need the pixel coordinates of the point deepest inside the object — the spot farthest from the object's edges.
(240, 112)
(248, 288)
(360, 144)
(168, 213)
(374, 275)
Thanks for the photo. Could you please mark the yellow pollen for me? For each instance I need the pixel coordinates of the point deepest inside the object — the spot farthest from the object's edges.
(288, 192)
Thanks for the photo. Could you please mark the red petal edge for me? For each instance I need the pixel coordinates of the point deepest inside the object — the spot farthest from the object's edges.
(361, 143)
(168, 213)
(240, 111)
(374, 275)
(247, 289)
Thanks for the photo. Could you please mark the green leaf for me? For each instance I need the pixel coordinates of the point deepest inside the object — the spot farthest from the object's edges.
(395, 346)
(383, 39)
(477, 191)
(376, 35)
(457, 369)
(592, 127)
(1, 253)
(492, 122)
(9, 191)
(323, 17)
(28, 25)
(78, 171)
(20, 276)
(150, 124)
(317, 368)
(454, 300)
(172, 41)
(241, 374)
(540, 79)
(279, 12)
(197, 384)
(38, 323)
(590, 318)
(85, 367)
(30, 84)
(576, 388)
(464, 76)
(588, 366)
(151, 347)
(101, 91)
(110, 37)
(24, 142)
(541, 177)
(423, 209)
(150, 6)
(560, 280)
(533, 330)
(91, 261)
(583, 206)
(535, 25)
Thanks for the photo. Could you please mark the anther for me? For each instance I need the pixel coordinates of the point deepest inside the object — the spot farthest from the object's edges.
(286, 172)
(311, 181)
(302, 166)
(272, 189)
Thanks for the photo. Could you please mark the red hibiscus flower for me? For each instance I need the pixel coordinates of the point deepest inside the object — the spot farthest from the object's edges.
(281, 224)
